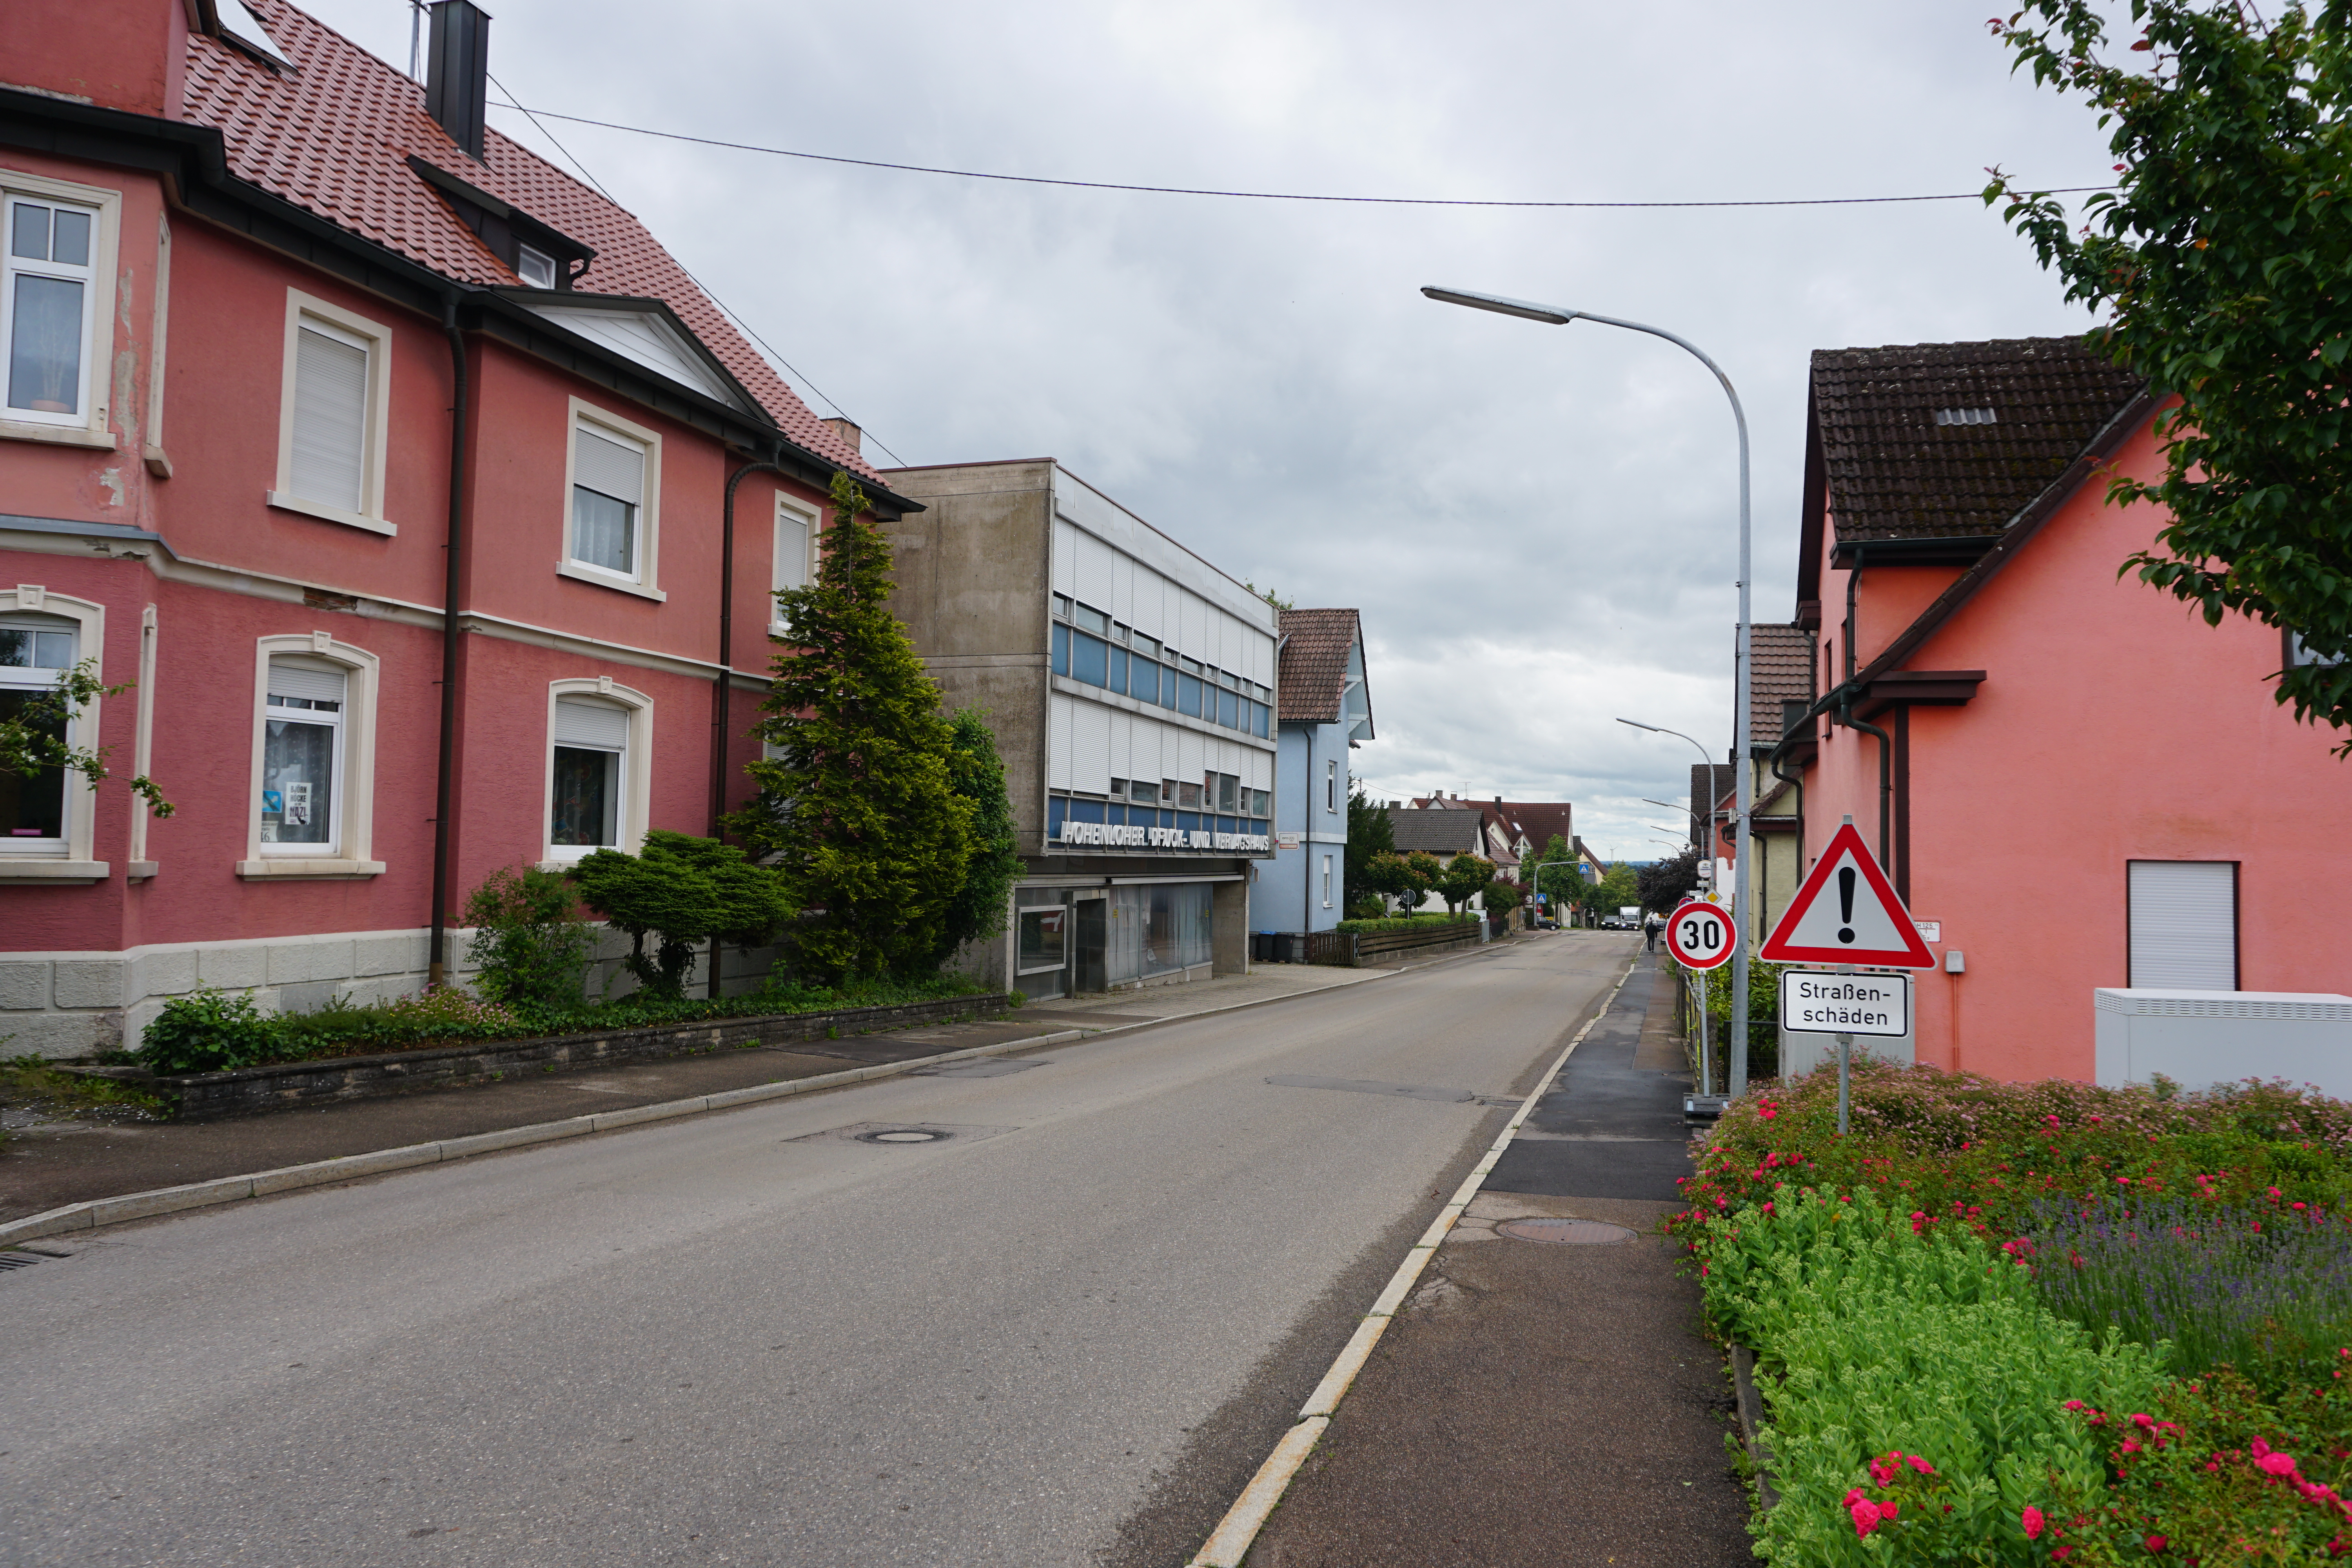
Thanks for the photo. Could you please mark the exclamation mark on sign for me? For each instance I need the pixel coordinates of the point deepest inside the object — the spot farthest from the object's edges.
(1845, 903)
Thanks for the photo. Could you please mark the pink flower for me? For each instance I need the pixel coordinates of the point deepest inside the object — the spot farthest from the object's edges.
(2074, 1404)
(1922, 1466)
(2156, 1543)
(1866, 1516)
(2270, 1461)
(2145, 1423)
(2032, 1519)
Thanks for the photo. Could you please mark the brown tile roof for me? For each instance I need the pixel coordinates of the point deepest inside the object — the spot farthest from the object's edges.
(333, 135)
(1440, 831)
(1315, 664)
(1893, 472)
(1783, 671)
(1539, 819)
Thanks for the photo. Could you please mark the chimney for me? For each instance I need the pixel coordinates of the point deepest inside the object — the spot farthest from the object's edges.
(850, 434)
(458, 71)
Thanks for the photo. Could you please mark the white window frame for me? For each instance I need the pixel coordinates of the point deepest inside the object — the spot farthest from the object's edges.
(73, 860)
(91, 426)
(791, 509)
(636, 771)
(1330, 785)
(526, 255)
(305, 310)
(354, 799)
(645, 581)
(1327, 881)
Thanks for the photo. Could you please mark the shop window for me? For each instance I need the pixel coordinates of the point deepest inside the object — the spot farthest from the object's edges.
(1044, 942)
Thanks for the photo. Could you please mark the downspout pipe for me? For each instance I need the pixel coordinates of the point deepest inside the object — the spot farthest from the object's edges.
(1885, 768)
(723, 688)
(454, 549)
(1306, 847)
(721, 696)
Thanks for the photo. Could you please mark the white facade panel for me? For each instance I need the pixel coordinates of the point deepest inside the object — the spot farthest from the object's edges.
(1171, 751)
(1122, 734)
(1065, 558)
(1192, 760)
(1122, 589)
(1057, 741)
(1089, 747)
(1149, 587)
(1194, 638)
(1094, 572)
(1258, 769)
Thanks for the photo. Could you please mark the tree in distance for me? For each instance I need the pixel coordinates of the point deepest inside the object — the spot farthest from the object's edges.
(859, 812)
(1464, 877)
(2220, 260)
(1663, 884)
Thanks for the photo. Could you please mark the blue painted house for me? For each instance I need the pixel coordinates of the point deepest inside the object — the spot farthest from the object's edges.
(1326, 710)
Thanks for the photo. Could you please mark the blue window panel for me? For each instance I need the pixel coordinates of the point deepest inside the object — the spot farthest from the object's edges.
(1167, 819)
(1229, 711)
(1086, 811)
(1143, 679)
(1167, 686)
(1227, 824)
(1061, 648)
(1265, 721)
(1115, 812)
(1188, 695)
(1056, 809)
(1189, 821)
(1088, 658)
(1118, 669)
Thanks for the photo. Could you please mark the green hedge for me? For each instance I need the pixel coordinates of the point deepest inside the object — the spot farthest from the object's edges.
(1406, 922)
(212, 1032)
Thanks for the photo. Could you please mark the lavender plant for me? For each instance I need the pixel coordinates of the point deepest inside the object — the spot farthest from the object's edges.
(2265, 1290)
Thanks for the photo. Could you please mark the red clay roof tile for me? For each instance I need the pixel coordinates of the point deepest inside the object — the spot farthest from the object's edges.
(332, 136)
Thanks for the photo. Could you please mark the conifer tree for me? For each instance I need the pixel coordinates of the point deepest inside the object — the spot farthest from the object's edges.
(859, 812)
(978, 910)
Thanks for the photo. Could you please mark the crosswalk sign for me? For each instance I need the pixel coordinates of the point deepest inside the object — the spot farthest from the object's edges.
(1847, 912)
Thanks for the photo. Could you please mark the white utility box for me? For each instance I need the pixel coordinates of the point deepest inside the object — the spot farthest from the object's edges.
(2199, 1039)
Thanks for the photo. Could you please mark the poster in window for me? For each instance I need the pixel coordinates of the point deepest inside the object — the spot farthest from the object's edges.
(297, 803)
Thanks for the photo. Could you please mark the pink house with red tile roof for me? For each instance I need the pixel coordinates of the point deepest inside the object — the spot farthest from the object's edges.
(2072, 779)
(406, 480)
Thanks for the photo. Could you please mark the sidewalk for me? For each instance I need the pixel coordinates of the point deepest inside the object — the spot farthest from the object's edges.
(52, 1164)
(1538, 1404)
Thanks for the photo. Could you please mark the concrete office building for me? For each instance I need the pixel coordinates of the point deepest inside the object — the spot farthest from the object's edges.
(1131, 687)
(1327, 709)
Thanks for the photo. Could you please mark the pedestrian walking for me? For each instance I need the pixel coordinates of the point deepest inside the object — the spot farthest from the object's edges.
(1652, 924)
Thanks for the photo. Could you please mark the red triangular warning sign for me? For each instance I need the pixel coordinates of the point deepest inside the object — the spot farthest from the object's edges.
(1847, 913)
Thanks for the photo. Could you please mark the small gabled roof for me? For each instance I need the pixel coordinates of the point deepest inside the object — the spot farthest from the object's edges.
(334, 135)
(1314, 649)
(1439, 832)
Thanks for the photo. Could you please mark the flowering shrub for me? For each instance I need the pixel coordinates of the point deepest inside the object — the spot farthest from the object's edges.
(1935, 1345)
(2209, 1472)
(1982, 1272)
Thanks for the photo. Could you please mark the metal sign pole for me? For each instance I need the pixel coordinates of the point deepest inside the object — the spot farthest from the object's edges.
(1705, 1048)
(1845, 1054)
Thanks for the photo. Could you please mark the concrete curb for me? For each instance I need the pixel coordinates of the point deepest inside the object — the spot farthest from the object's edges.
(1231, 1541)
(96, 1212)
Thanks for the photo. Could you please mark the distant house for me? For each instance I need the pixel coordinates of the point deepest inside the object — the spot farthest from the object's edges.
(1455, 828)
(2073, 779)
(1781, 689)
(1326, 710)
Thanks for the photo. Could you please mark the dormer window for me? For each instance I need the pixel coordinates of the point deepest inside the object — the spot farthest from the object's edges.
(1964, 416)
(535, 268)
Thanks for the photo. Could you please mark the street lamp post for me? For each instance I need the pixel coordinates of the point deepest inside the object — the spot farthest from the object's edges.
(1743, 768)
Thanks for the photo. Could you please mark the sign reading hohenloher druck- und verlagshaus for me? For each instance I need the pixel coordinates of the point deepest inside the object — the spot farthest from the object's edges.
(1127, 836)
(1824, 1003)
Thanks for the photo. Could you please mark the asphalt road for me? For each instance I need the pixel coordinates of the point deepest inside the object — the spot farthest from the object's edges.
(1064, 1334)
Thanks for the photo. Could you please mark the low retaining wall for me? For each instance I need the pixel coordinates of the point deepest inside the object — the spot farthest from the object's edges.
(1350, 950)
(285, 1086)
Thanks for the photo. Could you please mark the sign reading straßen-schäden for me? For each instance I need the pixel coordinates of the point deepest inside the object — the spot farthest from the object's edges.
(1824, 1003)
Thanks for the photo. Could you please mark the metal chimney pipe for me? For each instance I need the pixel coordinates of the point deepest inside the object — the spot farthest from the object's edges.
(457, 72)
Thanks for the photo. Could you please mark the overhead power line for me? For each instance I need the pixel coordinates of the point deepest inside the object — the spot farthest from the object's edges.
(533, 116)
(1257, 195)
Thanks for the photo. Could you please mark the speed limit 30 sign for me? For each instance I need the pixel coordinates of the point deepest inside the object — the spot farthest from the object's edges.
(1701, 935)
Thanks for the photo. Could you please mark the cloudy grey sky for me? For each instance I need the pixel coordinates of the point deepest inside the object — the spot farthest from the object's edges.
(1537, 522)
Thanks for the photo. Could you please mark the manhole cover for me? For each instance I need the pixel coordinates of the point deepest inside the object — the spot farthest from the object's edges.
(1565, 1232)
(904, 1135)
